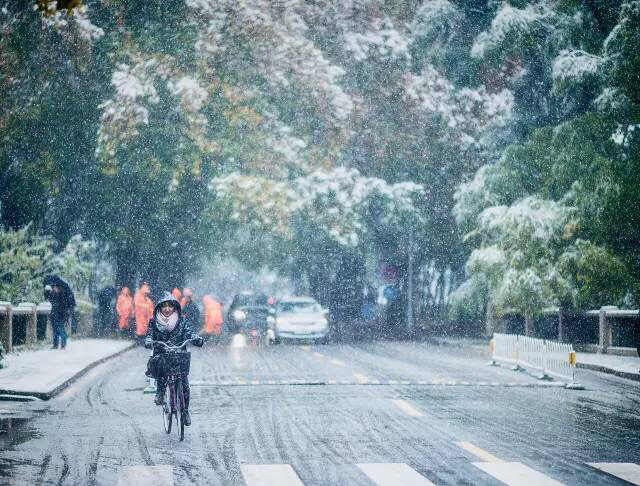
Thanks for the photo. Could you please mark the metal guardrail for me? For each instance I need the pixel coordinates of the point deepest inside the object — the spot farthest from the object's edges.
(546, 358)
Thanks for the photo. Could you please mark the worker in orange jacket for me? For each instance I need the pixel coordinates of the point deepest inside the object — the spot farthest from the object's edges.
(124, 309)
(176, 293)
(212, 316)
(143, 309)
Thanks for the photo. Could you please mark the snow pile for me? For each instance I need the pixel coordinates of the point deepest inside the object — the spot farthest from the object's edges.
(122, 115)
(382, 41)
(74, 21)
(511, 23)
(574, 65)
(468, 112)
(268, 39)
(335, 204)
(191, 94)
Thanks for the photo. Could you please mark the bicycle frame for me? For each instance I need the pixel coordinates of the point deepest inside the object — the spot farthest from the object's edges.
(176, 405)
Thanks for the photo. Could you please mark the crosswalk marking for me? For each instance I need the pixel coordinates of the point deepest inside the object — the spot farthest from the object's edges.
(394, 474)
(624, 470)
(383, 474)
(516, 474)
(476, 451)
(407, 408)
(146, 476)
(270, 475)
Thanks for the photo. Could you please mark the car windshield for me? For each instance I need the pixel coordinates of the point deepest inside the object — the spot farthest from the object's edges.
(299, 307)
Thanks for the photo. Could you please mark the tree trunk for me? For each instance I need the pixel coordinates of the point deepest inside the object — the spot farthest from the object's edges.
(528, 324)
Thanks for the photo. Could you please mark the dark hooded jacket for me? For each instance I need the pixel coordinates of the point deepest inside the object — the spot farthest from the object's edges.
(178, 335)
(62, 302)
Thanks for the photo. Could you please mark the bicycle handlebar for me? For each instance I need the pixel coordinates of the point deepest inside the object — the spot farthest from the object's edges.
(173, 348)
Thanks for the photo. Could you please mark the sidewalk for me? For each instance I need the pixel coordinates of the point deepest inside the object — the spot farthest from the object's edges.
(623, 366)
(46, 372)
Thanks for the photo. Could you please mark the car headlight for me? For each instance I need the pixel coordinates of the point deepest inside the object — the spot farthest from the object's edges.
(239, 315)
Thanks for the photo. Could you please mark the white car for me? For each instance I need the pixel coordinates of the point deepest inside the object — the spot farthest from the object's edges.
(299, 318)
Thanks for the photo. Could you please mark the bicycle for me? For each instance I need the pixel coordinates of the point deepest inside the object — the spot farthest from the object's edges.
(175, 365)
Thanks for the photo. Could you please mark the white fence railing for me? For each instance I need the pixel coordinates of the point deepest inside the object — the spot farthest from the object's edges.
(546, 358)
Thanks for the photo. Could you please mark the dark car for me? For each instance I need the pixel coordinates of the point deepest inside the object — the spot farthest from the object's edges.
(248, 311)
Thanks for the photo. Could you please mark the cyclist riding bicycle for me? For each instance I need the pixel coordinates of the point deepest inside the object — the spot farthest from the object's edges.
(169, 326)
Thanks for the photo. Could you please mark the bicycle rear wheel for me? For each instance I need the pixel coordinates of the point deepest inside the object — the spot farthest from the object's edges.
(167, 416)
(179, 409)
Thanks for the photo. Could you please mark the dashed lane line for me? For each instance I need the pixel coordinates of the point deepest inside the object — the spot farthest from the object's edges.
(270, 475)
(407, 408)
(361, 381)
(146, 476)
(476, 451)
(393, 474)
(337, 362)
(626, 471)
(516, 474)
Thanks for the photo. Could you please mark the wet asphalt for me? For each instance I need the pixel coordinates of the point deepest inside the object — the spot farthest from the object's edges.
(322, 410)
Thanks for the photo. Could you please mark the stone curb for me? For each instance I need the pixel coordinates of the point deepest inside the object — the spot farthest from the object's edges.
(52, 393)
(610, 371)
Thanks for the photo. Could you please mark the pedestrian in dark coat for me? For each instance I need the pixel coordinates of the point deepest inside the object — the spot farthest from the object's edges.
(169, 326)
(58, 292)
(190, 310)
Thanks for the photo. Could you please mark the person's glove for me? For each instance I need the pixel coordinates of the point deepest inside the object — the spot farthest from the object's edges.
(198, 341)
(148, 345)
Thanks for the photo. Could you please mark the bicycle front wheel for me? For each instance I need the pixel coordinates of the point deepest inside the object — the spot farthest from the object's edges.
(167, 416)
(179, 409)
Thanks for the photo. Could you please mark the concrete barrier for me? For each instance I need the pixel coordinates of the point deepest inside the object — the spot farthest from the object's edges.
(6, 325)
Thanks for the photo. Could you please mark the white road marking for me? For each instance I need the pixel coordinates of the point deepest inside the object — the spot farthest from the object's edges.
(627, 471)
(255, 382)
(318, 355)
(361, 378)
(146, 476)
(394, 474)
(407, 408)
(516, 474)
(270, 475)
(479, 453)
(305, 348)
(336, 362)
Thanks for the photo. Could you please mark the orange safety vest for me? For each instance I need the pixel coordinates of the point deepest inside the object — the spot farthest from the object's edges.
(124, 308)
(141, 303)
(176, 293)
(212, 315)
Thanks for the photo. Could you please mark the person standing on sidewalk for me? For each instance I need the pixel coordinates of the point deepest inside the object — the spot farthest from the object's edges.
(124, 309)
(58, 292)
(142, 311)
